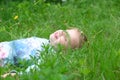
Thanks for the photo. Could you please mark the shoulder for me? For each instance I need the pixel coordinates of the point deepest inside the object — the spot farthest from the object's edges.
(31, 39)
(38, 39)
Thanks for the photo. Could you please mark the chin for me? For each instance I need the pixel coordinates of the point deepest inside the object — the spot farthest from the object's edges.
(51, 38)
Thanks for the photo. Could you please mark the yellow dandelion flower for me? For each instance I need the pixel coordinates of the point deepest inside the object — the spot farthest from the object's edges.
(16, 17)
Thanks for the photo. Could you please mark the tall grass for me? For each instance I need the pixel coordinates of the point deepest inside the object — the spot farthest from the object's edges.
(98, 59)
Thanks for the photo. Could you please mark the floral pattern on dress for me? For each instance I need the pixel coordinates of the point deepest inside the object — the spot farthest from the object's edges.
(20, 49)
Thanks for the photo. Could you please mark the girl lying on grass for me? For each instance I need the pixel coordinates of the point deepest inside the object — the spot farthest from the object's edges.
(11, 51)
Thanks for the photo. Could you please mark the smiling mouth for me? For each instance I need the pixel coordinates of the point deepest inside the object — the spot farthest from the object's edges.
(56, 35)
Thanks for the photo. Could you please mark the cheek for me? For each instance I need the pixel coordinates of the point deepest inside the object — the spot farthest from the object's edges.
(57, 41)
(51, 37)
(54, 41)
(61, 41)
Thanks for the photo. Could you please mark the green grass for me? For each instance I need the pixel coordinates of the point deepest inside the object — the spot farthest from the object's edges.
(99, 59)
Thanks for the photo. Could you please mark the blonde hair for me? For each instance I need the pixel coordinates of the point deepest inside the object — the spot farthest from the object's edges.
(82, 38)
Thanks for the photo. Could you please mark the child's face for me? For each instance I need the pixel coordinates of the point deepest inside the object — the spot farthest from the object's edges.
(65, 38)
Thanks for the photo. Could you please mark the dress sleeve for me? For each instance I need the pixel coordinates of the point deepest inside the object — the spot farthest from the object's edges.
(6, 53)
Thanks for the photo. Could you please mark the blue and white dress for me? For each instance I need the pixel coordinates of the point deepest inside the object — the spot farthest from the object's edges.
(20, 49)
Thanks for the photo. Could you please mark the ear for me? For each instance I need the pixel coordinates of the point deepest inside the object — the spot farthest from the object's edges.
(84, 37)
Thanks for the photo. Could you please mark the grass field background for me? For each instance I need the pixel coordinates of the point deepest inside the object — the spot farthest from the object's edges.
(98, 59)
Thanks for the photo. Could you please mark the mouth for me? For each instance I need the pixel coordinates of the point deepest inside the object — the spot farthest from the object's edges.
(56, 35)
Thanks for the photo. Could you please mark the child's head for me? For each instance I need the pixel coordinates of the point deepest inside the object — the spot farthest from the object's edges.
(73, 38)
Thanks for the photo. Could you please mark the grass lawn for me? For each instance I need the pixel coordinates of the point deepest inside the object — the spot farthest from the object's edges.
(98, 59)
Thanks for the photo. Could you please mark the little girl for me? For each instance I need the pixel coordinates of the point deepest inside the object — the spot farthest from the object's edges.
(11, 51)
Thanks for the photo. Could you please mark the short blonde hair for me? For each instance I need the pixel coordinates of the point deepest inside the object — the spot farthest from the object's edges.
(82, 38)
